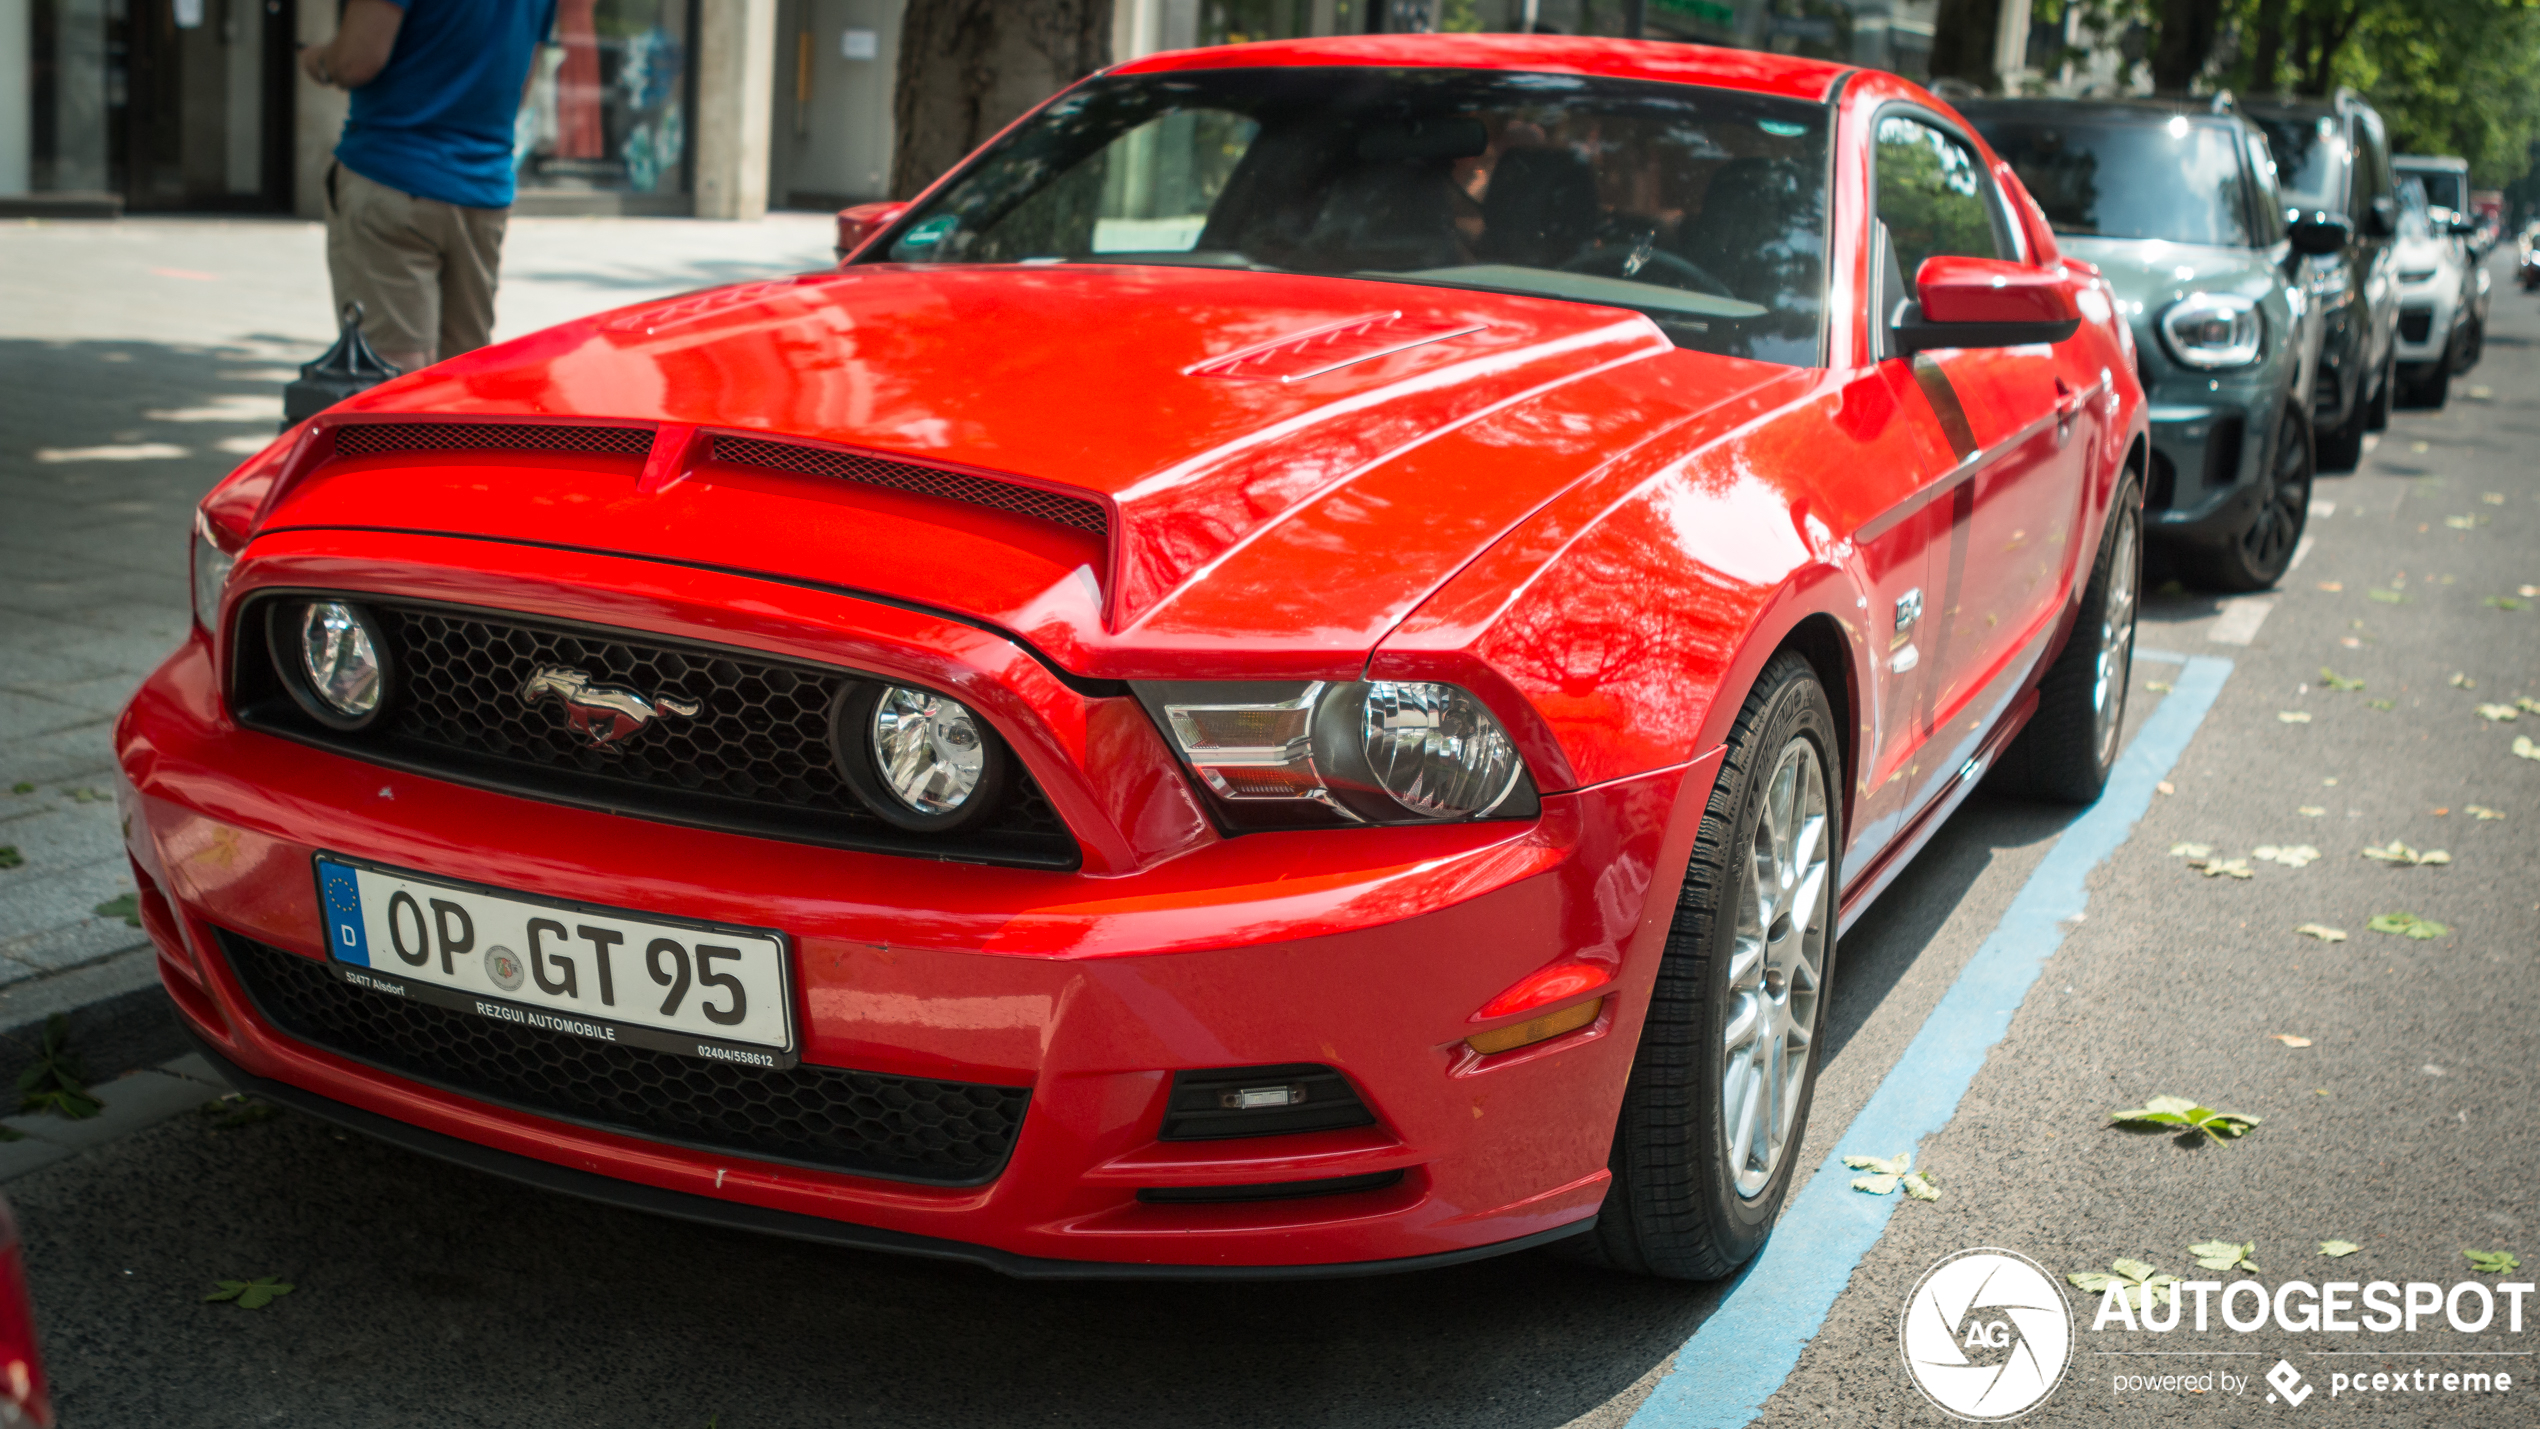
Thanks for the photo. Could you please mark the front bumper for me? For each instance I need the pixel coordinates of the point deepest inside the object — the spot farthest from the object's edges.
(2428, 312)
(2209, 458)
(1364, 950)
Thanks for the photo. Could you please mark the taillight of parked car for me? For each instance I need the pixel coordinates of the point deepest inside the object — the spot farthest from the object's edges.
(24, 1398)
(1304, 754)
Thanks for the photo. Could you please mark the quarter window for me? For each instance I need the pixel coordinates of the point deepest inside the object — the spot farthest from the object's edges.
(1932, 195)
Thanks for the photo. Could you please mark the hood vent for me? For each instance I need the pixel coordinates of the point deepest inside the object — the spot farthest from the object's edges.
(1074, 512)
(375, 438)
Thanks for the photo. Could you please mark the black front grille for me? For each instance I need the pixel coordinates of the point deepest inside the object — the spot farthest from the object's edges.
(755, 758)
(2222, 453)
(371, 438)
(2416, 324)
(864, 1123)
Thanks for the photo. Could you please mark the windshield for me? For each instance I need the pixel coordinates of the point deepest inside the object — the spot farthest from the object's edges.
(1703, 209)
(2173, 179)
(2310, 160)
(2444, 188)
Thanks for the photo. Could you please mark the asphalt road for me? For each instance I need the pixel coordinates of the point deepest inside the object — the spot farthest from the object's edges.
(431, 1296)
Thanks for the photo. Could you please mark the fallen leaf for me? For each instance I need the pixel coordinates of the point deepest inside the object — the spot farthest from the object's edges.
(2224, 1255)
(2525, 748)
(2221, 867)
(1890, 1172)
(2336, 681)
(2421, 448)
(2408, 925)
(2191, 850)
(2504, 602)
(2494, 714)
(2492, 498)
(2289, 1040)
(2481, 811)
(2493, 1262)
(2527, 704)
(2179, 1111)
(2138, 1284)
(2398, 852)
(127, 907)
(2323, 932)
(2463, 682)
(2291, 856)
(2387, 597)
(2381, 704)
(2332, 585)
(2158, 687)
(2293, 716)
(2166, 787)
(2528, 592)
(253, 1294)
(2311, 810)
(2460, 523)
(10, 857)
(2335, 1249)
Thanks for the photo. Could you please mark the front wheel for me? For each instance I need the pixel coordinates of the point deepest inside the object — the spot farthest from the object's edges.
(2070, 744)
(2257, 557)
(1717, 1106)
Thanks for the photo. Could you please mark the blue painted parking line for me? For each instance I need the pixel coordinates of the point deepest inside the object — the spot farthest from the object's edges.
(1748, 1347)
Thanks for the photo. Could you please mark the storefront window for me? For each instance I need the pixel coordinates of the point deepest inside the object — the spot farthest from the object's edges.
(607, 103)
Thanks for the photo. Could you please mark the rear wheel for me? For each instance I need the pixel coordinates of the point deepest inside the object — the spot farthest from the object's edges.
(2429, 387)
(2070, 744)
(2341, 448)
(2377, 416)
(2258, 556)
(2473, 345)
(1718, 1102)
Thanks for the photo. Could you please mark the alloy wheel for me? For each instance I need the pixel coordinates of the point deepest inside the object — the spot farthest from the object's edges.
(1776, 969)
(2284, 505)
(2115, 663)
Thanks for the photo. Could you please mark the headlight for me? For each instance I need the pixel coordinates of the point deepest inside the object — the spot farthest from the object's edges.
(2213, 330)
(333, 658)
(211, 572)
(1383, 751)
(923, 761)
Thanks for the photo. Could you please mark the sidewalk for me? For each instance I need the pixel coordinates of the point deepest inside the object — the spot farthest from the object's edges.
(141, 360)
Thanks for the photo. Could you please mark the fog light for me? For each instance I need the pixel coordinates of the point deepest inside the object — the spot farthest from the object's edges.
(922, 760)
(333, 657)
(1533, 1030)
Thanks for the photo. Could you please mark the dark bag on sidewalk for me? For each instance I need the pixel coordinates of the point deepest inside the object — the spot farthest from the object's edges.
(348, 367)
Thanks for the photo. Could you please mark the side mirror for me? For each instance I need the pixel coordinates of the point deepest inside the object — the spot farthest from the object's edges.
(1984, 302)
(2319, 231)
(860, 223)
(2465, 224)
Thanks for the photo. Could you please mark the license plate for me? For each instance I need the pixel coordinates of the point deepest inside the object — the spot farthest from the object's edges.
(572, 969)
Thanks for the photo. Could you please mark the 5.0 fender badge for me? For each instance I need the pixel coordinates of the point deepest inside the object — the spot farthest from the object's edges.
(604, 714)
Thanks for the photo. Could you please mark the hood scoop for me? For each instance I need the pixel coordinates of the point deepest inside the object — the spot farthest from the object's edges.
(1332, 346)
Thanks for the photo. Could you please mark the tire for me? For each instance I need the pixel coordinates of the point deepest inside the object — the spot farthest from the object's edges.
(2473, 345)
(2377, 416)
(2071, 743)
(2427, 391)
(1682, 1204)
(2256, 558)
(2341, 448)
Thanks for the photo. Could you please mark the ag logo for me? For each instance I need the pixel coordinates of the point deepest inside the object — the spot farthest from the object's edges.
(1986, 1335)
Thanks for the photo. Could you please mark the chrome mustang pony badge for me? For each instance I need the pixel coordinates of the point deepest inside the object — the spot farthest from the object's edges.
(604, 713)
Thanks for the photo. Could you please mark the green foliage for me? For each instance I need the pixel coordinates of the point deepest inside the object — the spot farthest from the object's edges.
(57, 1081)
(127, 907)
(2407, 925)
(10, 857)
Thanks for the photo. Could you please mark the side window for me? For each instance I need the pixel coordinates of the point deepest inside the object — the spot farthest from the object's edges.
(1932, 195)
(2372, 165)
(2269, 198)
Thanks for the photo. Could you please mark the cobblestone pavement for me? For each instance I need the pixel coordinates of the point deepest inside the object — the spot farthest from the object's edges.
(140, 360)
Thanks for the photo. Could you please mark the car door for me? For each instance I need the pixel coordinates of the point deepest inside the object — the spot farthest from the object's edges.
(2373, 198)
(2012, 418)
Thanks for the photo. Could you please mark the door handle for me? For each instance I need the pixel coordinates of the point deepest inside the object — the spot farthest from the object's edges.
(2067, 401)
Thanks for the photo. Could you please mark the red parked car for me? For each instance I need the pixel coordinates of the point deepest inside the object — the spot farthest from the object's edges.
(1294, 670)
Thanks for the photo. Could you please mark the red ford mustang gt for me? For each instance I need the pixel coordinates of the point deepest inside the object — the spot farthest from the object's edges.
(1293, 671)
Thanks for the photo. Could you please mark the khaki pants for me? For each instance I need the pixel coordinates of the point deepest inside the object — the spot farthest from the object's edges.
(423, 270)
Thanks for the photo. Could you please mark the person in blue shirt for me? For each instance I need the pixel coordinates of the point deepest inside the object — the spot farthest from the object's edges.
(422, 180)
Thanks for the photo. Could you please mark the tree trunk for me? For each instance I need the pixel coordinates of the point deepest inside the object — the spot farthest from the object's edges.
(2185, 42)
(2268, 47)
(1962, 42)
(968, 68)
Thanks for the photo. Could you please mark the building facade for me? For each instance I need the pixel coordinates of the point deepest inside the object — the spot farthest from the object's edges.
(719, 108)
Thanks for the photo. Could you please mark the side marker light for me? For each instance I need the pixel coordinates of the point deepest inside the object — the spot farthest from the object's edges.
(1539, 1029)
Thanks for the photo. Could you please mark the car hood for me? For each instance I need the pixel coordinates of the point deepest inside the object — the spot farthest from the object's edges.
(2156, 273)
(1370, 438)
